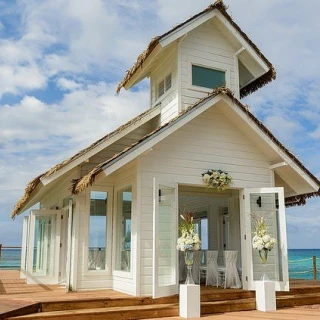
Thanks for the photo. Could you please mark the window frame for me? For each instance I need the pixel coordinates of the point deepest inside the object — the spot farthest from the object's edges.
(121, 273)
(208, 65)
(108, 266)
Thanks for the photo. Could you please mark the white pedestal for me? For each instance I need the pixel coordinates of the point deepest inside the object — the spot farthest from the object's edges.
(265, 295)
(189, 301)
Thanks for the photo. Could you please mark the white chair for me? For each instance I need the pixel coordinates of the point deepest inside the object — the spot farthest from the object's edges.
(197, 255)
(212, 275)
(231, 275)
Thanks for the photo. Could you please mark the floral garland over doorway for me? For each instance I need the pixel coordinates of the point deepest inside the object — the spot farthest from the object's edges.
(217, 179)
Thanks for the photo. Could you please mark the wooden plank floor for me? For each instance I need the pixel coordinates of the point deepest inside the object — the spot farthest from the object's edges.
(14, 293)
(303, 313)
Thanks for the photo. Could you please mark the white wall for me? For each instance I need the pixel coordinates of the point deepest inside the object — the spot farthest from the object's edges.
(209, 141)
(208, 47)
(169, 101)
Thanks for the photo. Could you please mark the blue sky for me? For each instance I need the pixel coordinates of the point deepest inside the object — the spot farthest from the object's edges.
(60, 62)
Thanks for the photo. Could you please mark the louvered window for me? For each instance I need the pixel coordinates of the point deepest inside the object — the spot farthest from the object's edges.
(164, 85)
(161, 88)
(168, 82)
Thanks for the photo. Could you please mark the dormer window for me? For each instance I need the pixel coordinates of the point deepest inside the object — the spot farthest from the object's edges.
(164, 85)
(207, 77)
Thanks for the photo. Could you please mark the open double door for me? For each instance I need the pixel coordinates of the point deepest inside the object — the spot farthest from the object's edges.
(266, 202)
(44, 246)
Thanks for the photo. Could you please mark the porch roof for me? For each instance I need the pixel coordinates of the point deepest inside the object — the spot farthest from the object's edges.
(156, 43)
(34, 184)
(82, 183)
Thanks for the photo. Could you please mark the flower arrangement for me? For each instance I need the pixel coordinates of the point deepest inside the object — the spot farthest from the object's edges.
(189, 239)
(261, 240)
(217, 179)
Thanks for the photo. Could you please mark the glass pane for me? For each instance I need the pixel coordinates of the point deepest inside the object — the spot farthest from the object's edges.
(167, 233)
(208, 78)
(44, 245)
(123, 241)
(204, 234)
(266, 206)
(97, 230)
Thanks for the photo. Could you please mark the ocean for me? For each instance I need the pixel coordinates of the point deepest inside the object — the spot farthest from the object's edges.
(300, 261)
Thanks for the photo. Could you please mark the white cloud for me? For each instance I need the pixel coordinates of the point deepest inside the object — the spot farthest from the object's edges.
(283, 128)
(67, 84)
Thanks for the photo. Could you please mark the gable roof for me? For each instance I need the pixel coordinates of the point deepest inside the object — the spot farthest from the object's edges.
(33, 184)
(81, 184)
(222, 8)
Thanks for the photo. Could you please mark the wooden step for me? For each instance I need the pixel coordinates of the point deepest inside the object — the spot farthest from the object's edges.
(302, 290)
(114, 313)
(228, 306)
(223, 296)
(96, 303)
(298, 300)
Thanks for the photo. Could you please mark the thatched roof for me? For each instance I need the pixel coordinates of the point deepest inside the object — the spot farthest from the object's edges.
(219, 5)
(32, 185)
(81, 184)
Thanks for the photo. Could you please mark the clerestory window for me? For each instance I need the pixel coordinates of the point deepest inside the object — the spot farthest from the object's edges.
(207, 77)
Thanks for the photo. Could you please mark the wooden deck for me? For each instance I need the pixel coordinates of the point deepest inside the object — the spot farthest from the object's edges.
(18, 298)
(303, 313)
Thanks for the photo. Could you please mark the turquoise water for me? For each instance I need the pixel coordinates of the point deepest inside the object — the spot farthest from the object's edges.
(10, 259)
(303, 269)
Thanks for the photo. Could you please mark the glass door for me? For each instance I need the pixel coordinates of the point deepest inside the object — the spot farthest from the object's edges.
(44, 246)
(165, 232)
(267, 203)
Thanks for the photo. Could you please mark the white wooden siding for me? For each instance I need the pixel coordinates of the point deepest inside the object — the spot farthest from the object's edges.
(208, 47)
(54, 198)
(169, 101)
(209, 141)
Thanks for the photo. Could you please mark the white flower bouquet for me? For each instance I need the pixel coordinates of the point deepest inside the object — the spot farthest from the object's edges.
(217, 179)
(262, 241)
(189, 239)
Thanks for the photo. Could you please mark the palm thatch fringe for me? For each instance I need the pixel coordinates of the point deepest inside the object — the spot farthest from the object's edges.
(300, 200)
(219, 5)
(259, 83)
(34, 183)
(87, 180)
(31, 186)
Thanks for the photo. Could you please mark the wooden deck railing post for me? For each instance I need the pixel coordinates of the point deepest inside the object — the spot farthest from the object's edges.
(314, 260)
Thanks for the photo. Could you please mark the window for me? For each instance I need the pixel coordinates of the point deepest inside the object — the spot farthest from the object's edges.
(123, 223)
(164, 85)
(97, 238)
(207, 78)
